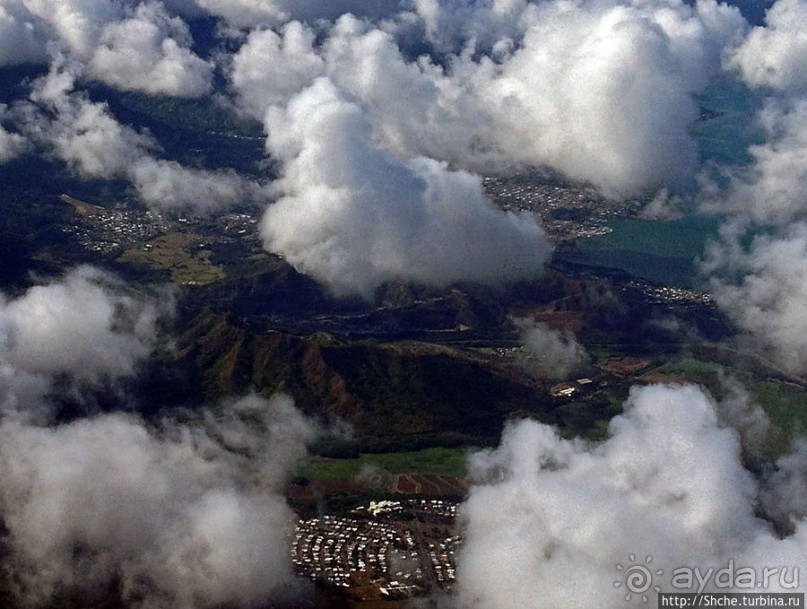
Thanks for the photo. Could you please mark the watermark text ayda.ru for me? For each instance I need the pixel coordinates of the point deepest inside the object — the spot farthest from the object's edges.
(639, 579)
(732, 577)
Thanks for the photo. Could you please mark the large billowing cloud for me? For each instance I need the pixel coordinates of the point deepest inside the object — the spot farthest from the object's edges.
(604, 94)
(132, 46)
(773, 188)
(179, 515)
(549, 520)
(775, 55)
(149, 52)
(763, 287)
(414, 108)
(354, 216)
(86, 324)
(141, 36)
(272, 67)
(599, 92)
(758, 279)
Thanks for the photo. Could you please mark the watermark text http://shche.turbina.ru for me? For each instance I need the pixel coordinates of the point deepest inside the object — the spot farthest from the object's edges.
(695, 600)
(730, 585)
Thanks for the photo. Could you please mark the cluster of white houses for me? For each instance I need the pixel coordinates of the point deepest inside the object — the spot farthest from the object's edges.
(403, 548)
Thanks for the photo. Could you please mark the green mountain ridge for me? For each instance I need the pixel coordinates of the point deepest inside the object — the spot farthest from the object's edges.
(398, 395)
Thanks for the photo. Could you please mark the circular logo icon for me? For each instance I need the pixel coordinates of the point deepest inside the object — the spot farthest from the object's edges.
(637, 578)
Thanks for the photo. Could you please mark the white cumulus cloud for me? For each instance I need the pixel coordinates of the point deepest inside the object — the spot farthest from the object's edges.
(775, 55)
(548, 519)
(772, 189)
(600, 92)
(85, 324)
(178, 515)
(354, 216)
(134, 46)
(148, 52)
(763, 288)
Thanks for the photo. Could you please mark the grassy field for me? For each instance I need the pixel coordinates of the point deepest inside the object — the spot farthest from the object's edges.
(784, 403)
(692, 370)
(786, 406)
(446, 461)
(179, 254)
